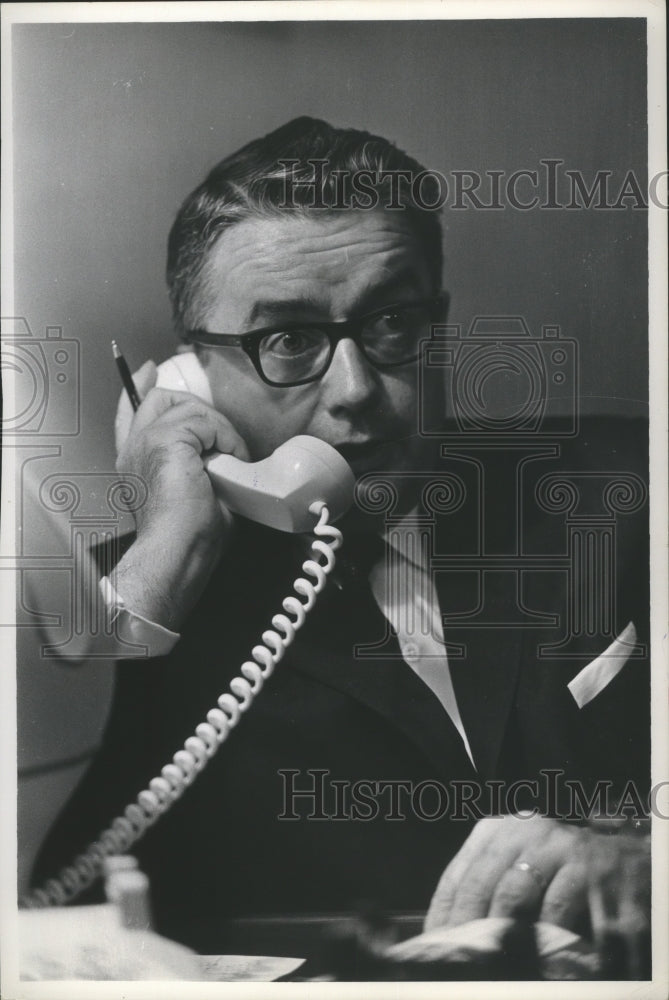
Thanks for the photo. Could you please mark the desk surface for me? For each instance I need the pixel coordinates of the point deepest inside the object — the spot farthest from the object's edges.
(246, 968)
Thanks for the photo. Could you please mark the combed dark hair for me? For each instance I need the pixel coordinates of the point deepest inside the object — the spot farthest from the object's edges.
(257, 179)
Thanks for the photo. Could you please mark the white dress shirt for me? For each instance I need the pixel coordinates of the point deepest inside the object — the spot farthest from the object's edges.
(404, 591)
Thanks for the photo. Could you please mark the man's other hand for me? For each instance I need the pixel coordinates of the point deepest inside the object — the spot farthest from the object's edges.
(542, 869)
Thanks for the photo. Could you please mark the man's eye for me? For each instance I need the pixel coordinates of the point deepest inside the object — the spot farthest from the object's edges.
(408, 319)
(292, 342)
(395, 321)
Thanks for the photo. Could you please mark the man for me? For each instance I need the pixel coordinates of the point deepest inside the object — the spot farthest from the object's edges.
(272, 248)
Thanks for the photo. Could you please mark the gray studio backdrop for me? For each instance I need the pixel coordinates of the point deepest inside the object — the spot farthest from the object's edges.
(115, 124)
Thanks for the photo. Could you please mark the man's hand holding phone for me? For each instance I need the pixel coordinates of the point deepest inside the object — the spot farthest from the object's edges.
(182, 527)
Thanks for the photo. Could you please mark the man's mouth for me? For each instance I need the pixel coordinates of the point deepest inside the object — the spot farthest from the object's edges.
(360, 454)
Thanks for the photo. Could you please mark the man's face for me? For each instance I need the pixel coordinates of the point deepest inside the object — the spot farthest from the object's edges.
(263, 272)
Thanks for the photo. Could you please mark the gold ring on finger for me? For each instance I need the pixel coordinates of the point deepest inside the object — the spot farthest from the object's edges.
(535, 873)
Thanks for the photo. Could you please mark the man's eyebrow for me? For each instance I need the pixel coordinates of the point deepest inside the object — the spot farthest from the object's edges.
(391, 289)
(281, 308)
(377, 294)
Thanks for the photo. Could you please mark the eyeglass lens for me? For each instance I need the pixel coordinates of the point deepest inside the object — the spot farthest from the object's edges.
(303, 352)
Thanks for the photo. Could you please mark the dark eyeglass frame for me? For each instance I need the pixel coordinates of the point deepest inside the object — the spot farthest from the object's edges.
(353, 328)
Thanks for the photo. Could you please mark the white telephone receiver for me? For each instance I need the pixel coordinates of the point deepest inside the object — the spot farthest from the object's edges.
(278, 490)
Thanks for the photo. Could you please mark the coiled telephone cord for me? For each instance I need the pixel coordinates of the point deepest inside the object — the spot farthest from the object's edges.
(175, 777)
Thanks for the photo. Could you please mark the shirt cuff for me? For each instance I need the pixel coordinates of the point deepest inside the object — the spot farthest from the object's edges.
(133, 629)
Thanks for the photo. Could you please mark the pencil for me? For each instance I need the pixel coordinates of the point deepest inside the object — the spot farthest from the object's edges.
(126, 377)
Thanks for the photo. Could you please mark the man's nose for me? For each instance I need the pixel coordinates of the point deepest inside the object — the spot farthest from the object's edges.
(350, 380)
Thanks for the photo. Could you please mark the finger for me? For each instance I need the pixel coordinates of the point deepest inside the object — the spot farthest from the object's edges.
(158, 401)
(502, 843)
(520, 891)
(478, 887)
(441, 905)
(566, 901)
(195, 423)
(523, 888)
(467, 885)
(162, 404)
(495, 834)
(230, 442)
(620, 904)
(635, 926)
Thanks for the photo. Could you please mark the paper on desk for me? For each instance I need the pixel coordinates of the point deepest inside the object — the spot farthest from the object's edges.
(246, 968)
(88, 942)
(483, 935)
(563, 955)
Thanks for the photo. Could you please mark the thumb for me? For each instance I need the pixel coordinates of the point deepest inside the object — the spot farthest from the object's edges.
(144, 378)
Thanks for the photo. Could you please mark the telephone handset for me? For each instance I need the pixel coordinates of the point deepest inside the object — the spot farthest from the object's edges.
(302, 480)
(278, 490)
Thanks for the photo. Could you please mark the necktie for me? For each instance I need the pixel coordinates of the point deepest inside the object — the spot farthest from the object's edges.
(360, 551)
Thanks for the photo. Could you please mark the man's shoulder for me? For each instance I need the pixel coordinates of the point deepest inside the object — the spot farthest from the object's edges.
(616, 441)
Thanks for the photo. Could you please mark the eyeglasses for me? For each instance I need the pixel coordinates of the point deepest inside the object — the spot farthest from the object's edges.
(296, 353)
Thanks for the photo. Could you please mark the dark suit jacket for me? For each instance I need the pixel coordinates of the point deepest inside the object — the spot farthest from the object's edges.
(224, 851)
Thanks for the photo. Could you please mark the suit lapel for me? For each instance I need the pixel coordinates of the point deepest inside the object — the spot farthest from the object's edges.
(384, 683)
(486, 676)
